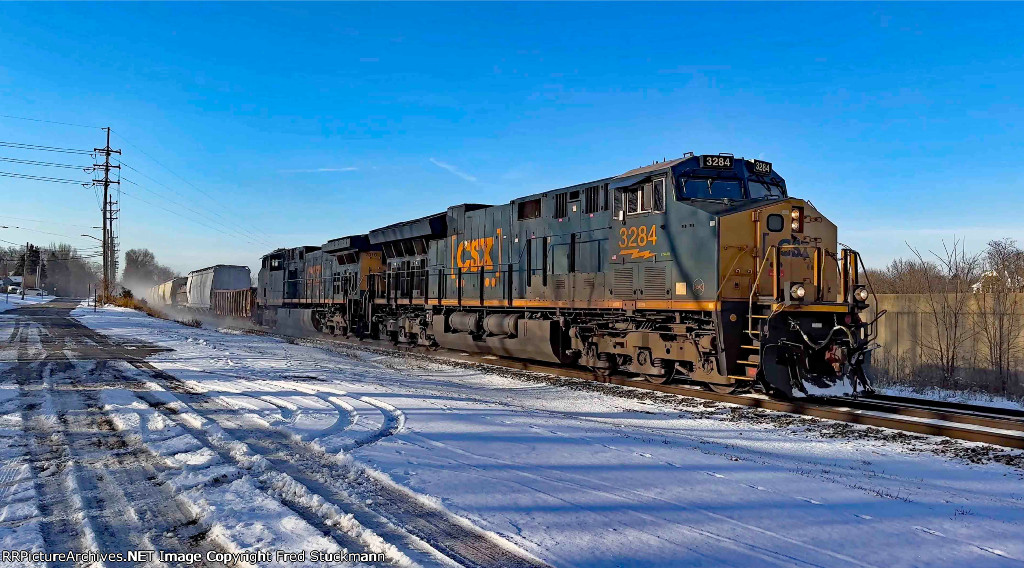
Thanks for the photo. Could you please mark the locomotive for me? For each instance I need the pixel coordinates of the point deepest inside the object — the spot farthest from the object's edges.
(701, 268)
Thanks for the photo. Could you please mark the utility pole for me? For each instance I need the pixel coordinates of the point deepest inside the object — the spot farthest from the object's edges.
(24, 271)
(108, 217)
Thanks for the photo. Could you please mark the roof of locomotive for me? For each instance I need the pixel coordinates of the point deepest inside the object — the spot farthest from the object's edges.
(657, 166)
(349, 243)
(430, 225)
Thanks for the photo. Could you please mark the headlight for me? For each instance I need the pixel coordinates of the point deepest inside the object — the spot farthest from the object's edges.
(797, 213)
(797, 291)
(861, 294)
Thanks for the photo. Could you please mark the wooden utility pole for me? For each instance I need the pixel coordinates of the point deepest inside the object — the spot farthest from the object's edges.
(108, 229)
(24, 271)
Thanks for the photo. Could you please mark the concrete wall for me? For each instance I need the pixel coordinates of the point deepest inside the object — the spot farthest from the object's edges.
(907, 335)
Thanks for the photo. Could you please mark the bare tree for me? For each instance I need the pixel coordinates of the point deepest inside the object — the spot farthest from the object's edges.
(70, 273)
(141, 271)
(998, 307)
(903, 276)
(947, 294)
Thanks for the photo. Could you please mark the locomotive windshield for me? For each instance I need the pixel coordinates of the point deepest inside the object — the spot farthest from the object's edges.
(704, 188)
(696, 188)
(760, 190)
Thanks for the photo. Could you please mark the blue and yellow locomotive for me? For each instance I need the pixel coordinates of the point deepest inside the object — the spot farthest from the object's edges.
(701, 268)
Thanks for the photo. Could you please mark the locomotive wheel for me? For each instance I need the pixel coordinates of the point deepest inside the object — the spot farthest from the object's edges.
(611, 369)
(668, 377)
(722, 389)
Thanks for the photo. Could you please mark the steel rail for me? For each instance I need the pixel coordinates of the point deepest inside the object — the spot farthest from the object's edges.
(959, 426)
(949, 405)
(923, 409)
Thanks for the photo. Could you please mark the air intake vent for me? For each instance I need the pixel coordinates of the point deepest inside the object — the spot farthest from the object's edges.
(560, 288)
(654, 282)
(561, 205)
(622, 282)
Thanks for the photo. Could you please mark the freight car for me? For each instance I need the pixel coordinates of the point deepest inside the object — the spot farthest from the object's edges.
(700, 268)
(169, 293)
(233, 303)
(203, 282)
(224, 289)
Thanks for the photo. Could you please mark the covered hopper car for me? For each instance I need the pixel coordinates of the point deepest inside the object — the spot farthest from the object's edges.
(202, 283)
(223, 289)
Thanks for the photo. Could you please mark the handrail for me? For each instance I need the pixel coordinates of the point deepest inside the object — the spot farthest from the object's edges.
(753, 290)
(775, 252)
(418, 285)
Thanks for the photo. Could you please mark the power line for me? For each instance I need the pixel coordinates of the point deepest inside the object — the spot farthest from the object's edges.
(241, 230)
(187, 182)
(85, 256)
(40, 178)
(47, 121)
(23, 146)
(37, 231)
(196, 221)
(48, 164)
(45, 221)
(183, 206)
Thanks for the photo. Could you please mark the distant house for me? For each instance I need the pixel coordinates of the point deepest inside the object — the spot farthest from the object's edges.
(10, 281)
(991, 281)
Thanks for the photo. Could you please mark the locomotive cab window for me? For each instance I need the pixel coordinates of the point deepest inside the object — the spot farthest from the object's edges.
(645, 198)
(775, 222)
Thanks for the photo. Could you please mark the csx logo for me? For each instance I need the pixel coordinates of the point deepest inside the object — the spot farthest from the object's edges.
(474, 254)
(806, 242)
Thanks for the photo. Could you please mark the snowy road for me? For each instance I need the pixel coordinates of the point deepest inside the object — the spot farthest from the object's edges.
(125, 432)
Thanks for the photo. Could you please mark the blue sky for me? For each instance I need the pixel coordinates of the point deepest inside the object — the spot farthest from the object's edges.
(303, 122)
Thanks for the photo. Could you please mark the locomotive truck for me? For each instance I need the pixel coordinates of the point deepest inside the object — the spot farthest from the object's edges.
(701, 268)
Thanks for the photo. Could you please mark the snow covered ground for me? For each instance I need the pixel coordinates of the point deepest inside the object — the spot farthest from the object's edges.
(268, 444)
(971, 397)
(12, 301)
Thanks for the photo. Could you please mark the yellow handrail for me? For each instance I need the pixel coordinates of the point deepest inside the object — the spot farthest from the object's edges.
(773, 252)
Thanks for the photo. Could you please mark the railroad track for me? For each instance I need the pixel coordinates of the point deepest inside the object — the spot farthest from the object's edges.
(996, 426)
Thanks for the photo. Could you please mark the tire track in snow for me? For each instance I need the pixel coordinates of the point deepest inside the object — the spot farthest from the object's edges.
(381, 503)
(97, 490)
(307, 505)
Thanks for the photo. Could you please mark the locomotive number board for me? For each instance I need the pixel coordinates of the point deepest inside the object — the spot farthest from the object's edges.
(716, 162)
(759, 167)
